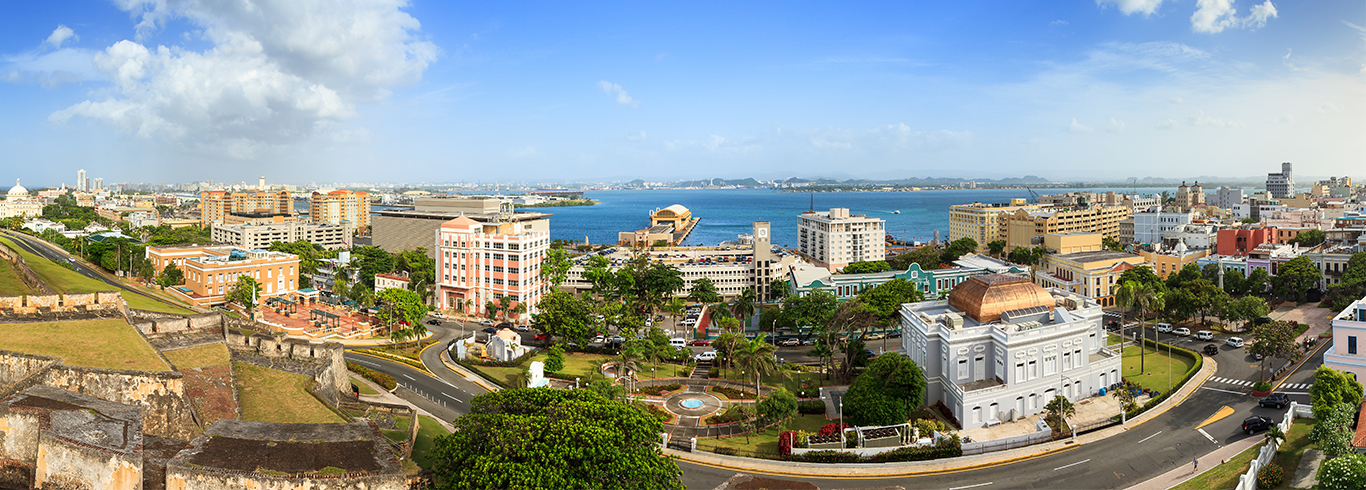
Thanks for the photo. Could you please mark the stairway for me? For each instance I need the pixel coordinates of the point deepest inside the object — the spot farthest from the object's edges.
(700, 372)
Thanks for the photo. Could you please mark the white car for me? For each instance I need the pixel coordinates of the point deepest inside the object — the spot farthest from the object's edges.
(1164, 327)
(789, 342)
(1204, 335)
(1234, 342)
(705, 356)
(1183, 331)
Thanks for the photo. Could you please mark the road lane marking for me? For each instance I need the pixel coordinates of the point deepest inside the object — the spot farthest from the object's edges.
(410, 378)
(1071, 465)
(1305, 393)
(1222, 391)
(972, 486)
(448, 395)
(368, 363)
(1149, 437)
(1223, 412)
(1207, 436)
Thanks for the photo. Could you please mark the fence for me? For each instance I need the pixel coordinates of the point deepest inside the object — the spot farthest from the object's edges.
(1248, 481)
(1044, 434)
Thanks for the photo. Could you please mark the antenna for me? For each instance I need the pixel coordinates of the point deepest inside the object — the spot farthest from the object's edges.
(813, 202)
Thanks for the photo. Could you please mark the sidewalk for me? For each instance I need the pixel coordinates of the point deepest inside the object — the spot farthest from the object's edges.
(877, 470)
(1207, 462)
(385, 396)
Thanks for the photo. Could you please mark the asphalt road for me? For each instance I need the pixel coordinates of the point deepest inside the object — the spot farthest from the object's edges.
(42, 249)
(433, 395)
(1166, 442)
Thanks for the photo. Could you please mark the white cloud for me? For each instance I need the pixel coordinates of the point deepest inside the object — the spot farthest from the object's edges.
(613, 89)
(1213, 16)
(1114, 126)
(1329, 107)
(277, 73)
(1203, 120)
(1286, 119)
(60, 35)
(1058, 22)
(1176, 100)
(523, 152)
(1076, 127)
(1130, 7)
(636, 136)
(1168, 124)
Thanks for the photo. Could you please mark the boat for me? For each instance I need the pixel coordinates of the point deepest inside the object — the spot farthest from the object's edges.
(896, 212)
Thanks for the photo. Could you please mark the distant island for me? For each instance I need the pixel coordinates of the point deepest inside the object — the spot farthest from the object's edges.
(561, 204)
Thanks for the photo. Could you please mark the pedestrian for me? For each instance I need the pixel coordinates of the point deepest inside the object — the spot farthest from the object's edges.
(1195, 464)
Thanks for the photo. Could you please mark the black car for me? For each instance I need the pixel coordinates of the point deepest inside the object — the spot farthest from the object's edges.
(504, 325)
(1278, 400)
(1211, 349)
(894, 335)
(1255, 423)
(490, 330)
(433, 322)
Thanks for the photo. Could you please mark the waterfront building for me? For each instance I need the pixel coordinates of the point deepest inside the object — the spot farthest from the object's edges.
(399, 230)
(1025, 228)
(1281, 185)
(212, 271)
(668, 227)
(1349, 330)
(482, 262)
(339, 207)
(1151, 225)
(934, 283)
(227, 207)
(261, 235)
(1001, 347)
(1091, 273)
(836, 238)
(978, 220)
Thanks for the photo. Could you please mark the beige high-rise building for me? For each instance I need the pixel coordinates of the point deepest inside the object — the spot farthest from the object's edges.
(341, 206)
(1189, 197)
(978, 221)
(1022, 227)
(216, 206)
(836, 238)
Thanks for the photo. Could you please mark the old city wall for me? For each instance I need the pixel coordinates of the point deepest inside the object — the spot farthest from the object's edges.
(322, 361)
(23, 271)
(183, 477)
(153, 324)
(17, 368)
(18, 446)
(66, 463)
(166, 410)
(65, 306)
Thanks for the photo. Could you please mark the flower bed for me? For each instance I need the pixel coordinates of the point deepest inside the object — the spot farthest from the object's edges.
(659, 390)
(734, 414)
(731, 393)
(379, 378)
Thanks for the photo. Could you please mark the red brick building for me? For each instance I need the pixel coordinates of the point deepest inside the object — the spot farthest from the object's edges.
(1240, 242)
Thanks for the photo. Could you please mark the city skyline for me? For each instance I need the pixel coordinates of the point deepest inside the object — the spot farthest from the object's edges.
(172, 92)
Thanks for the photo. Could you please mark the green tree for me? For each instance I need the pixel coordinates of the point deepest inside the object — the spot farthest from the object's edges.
(1332, 388)
(543, 438)
(778, 405)
(777, 289)
(1275, 435)
(555, 267)
(1256, 281)
(1057, 411)
(1142, 275)
(554, 361)
(1346, 472)
(1126, 399)
(1274, 339)
(171, 276)
(886, 393)
(1027, 256)
(704, 291)
(811, 310)
(956, 249)
(1333, 432)
(756, 359)
(1245, 309)
(1110, 243)
(370, 261)
(420, 268)
(564, 316)
(845, 329)
(401, 304)
(927, 256)
(743, 307)
(996, 247)
(1350, 286)
(1296, 276)
(1309, 238)
(888, 297)
(245, 291)
(866, 267)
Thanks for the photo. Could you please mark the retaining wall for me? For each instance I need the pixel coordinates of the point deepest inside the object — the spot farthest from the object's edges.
(23, 271)
(153, 324)
(65, 463)
(322, 361)
(65, 306)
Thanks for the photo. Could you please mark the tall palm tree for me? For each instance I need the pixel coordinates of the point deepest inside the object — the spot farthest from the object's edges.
(756, 356)
(629, 359)
(744, 304)
(1148, 298)
(675, 307)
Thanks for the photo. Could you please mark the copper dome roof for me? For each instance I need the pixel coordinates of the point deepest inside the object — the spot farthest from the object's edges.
(984, 298)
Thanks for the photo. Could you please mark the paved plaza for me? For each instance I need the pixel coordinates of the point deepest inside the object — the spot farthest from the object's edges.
(319, 321)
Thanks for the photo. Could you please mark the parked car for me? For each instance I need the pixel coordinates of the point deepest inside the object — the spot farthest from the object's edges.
(1211, 349)
(1183, 331)
(522, 328)
(1256, 423)
(789, 342)
(1204, 335)
(1164, 327)
(809, 341)
(705, 356)
(701, 342)
(1277, 400)
(875, 336)
(678, 342)
(504, 325)
(542, 336)
(433, 321)
(1234, 342)
(598, 339)
(894, 335)
(490, 330)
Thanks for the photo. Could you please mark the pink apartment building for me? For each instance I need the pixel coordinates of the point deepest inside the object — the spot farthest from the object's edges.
(478, 262)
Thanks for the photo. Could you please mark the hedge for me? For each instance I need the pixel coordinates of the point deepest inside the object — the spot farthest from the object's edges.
(387, 381)
(897, 455)
(658, 390)
(391, 357)
(1195, 368)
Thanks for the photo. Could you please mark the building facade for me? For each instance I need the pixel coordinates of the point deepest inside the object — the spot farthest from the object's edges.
(935, 283)
(478, 263)
(211, 272)
(1023, 228)
(978, 221)
(1151, 225)
(1226, 197)
(1281, 185)
(1349, 331)
(836, 238)
(1188, 197)
(1090, 274)
(1241, 241)
(341, 206)
(261, 235)
(18, 203)
(399, 230)
(1000, 348)
(220, 206)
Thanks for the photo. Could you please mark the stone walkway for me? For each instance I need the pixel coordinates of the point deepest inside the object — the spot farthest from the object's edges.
(1090, 411)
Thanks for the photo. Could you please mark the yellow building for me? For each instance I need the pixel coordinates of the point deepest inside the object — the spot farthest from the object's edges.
(211, 272)
(1021, 227)
(1166, 263)
(216, 206)
(340, 206)
(669, 226)
(1092, 273)
(978, 221)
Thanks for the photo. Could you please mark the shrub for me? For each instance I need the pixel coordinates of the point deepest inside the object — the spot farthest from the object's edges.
(387, 381)
(728, 451)
(828, 457)
(785, 441)
(733, 414)
(832, 429)
(1343, 473)
(811, 407)
(731, 393)
(658, 390)
(1261, 386)
(655, 411)
(948, 414)
(927, 426)
(1270, 476)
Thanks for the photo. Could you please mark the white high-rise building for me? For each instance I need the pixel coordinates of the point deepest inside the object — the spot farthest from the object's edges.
(1226, 197)
(1281, 185)
(836, 238)
(98, 184)
(81, 183)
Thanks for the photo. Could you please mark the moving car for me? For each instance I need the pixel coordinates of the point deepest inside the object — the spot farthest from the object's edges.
(789, 342)
(1204, 335)
(705, 356)
(490, 330)
(875, 336)
(522, 328)
(701, 342)
(1256, 423)
(1234, 342)
(542, 336)
(809, 341)
(1211, 349)
(678, 342)
(894, 335)
(1183, 331)
(433, 321)
(1277, 400)
(1164, 327)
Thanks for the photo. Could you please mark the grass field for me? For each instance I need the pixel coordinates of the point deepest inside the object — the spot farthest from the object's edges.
(267, 395)
(765, 441)
(65, 280)
(10, 284)
(428, 430)
(1154, 376)
(365, 389)
(109, 344)
(193, 357)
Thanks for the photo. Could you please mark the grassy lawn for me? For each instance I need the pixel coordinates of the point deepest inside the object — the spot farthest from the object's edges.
(1155, 376)
(158, 293)
(365, 389)
(1112, 339)
(267, 395)
(765, 441)
(1288, 458)
(10, 284)
(428, 430)
(65, 280)
(576, 364)
(109, 344)
(791, 380)
(193, 357)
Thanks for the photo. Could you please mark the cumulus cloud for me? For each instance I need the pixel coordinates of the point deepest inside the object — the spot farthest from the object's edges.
(615, 90)
(636, 136)
(60, 35)
(1129, 7)
(1114, 126)
(1204, 120)
(277, 72)
(1076, 127)
(1168, 124)
(1213, 16)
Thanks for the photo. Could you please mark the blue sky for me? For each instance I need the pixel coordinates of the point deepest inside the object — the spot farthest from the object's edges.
(387, 91)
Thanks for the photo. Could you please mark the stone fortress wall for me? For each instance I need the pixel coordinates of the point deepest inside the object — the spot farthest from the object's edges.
(21, 268)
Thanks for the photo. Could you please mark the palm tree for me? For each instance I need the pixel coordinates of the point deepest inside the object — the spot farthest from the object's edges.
(1058, 410)
(505, 306)
(756, 356)
(825, 353)
(736, 333)
(519, 309)
(744, 304)
(675, 307)
(1274, 435)
(1148, 299)
(628, 359)
(491, 309)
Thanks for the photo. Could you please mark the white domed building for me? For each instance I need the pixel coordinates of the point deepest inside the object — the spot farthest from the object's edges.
(19, 203)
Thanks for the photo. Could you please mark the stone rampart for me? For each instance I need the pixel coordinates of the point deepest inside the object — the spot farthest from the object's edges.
(322, 361)
(67, 463)
(166, 409)
(15, 367)
(65, 306)
(155, 324)
(375, 467)
(23, 271)
(58, 439)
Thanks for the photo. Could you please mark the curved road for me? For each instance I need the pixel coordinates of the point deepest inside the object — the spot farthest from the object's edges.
(50, 252)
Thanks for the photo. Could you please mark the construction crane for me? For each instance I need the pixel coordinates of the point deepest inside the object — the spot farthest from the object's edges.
(1033, 196)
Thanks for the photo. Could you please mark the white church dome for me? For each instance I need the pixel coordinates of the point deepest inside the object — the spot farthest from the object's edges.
(17, 190)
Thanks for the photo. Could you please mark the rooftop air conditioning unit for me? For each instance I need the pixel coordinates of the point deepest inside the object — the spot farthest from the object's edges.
(952, 320)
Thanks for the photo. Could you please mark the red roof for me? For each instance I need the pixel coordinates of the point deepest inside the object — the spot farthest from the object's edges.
(1360, 439)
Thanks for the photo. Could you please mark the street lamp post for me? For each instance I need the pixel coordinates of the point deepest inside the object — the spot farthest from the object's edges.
(841, 426)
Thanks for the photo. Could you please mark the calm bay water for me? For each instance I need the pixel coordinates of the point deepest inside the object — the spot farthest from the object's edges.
(726, 213)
